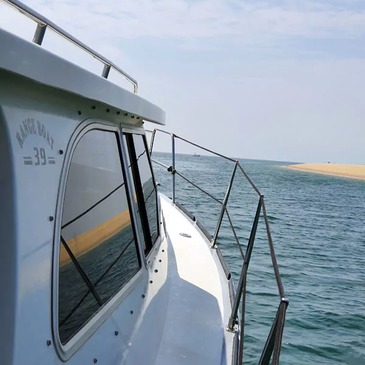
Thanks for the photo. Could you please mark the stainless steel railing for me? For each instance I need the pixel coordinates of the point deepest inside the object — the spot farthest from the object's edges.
(43, 23)
(271, 350)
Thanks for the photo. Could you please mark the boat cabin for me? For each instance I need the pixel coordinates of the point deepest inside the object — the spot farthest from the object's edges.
(95, 265)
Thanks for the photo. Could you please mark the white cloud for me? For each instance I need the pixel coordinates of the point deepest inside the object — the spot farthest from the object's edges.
(185, 20)
(305, 110)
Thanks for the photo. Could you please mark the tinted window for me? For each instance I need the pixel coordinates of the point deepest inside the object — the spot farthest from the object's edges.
(139, 213)
(145, 187)
(98, 253)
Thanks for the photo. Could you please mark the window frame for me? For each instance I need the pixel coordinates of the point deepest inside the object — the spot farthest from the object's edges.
(74, 344)
(139, 190)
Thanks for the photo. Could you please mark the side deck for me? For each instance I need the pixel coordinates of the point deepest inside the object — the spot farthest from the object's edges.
(187, 303)
(199, 294)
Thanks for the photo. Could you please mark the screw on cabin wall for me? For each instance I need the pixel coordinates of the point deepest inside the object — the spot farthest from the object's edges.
(79, 112)
(60, 152)
(156, 270)
(107, 110)
(143, 296)
(95, 360)
(49, 342)
(116, 333)
(160, 260)
(131, 312)
(118, 112)
(93, 108)
(50, 218)
(151, 281)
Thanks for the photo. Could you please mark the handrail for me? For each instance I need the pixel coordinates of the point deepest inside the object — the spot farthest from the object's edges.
(224, 205)
(271, 350)
(43, 23)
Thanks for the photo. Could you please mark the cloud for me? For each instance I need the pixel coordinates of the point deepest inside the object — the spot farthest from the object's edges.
(290, 73)
(247, 21)
(273, 27)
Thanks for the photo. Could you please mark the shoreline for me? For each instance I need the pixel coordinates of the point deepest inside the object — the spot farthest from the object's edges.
(332, 169)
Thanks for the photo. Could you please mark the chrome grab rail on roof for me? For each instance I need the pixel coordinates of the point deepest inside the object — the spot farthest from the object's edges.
(43, 23)
(271, 350)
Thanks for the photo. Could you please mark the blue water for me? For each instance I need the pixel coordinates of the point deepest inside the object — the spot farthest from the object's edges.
(318, 227)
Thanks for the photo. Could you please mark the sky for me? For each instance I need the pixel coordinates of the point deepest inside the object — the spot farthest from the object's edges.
(274, 80)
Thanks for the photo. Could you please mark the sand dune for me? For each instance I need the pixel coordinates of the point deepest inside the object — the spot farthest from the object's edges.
(351, 171)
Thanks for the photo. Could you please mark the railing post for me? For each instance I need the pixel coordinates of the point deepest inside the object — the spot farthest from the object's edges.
(241, 288)
(272, 254)
(269, 345)
(273, 342)
(106, 70)
(173, 168)
(279, 334)
(43, 23)
(152, 140)
(224, 205)
(39, 33)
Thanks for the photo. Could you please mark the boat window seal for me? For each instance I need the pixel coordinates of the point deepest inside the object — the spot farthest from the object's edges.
(139, 191)
(151, 171)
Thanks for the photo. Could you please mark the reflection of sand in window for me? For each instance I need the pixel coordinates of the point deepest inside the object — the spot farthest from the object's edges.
(98, 253)
(88, 240)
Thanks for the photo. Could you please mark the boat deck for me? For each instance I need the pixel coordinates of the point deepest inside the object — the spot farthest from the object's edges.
(194, 294)
(194, 299)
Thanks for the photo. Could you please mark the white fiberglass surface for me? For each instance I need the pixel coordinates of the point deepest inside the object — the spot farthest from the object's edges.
(194, 260)
(194, 329)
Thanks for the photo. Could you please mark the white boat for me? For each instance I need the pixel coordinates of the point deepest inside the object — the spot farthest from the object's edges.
(96, 266)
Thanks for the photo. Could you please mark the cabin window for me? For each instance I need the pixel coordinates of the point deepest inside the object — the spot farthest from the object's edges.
(98, 252)
(145, 187)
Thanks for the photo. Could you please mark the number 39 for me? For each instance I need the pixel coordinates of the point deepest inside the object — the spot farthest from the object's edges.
(40, 156)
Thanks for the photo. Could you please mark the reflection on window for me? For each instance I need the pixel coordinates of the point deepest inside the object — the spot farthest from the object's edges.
(98, 253)
(145, 187)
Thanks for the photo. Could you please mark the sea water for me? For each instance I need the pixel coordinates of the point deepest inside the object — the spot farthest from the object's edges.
(318, 227)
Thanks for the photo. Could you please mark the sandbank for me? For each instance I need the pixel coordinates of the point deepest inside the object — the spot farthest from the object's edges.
(350, 171)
